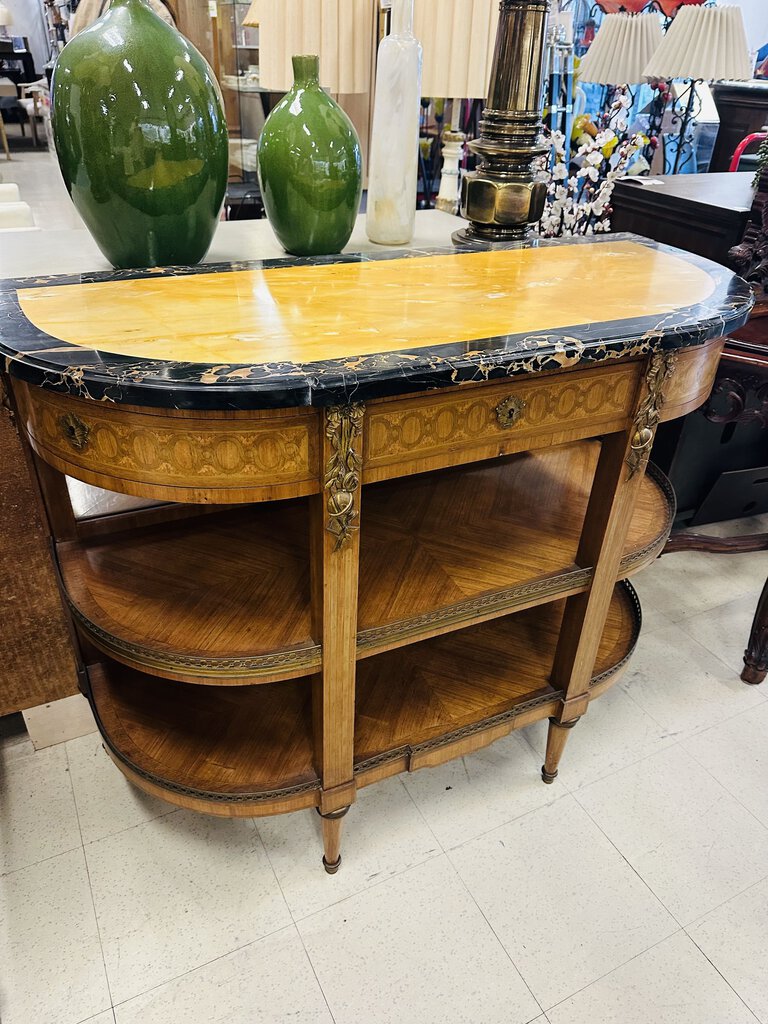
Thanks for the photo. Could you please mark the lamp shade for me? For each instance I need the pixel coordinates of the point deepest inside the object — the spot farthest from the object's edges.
(6, 18)
(621, 49)
(703, 42)
(457, 39)
(340, 31)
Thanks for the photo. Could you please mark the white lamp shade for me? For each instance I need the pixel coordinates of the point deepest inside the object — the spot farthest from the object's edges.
(341, 32)
(6, 18)
(703, 42)
(622, 47)
(457, 39)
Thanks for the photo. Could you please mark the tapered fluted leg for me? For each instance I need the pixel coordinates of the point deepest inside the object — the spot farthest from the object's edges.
(556, 740)
(332, 823)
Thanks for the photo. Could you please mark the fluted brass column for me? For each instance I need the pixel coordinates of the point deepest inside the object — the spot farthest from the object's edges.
(500, 198)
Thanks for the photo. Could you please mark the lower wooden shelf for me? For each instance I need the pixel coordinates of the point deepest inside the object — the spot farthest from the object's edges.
(248, 750)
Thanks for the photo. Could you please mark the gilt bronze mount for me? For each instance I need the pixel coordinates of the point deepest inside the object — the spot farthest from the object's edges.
(501, 199)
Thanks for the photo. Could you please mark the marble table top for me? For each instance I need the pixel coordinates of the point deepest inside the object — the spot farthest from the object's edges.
(287, 332)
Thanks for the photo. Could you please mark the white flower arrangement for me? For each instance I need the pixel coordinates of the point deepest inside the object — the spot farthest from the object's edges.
(579, 203)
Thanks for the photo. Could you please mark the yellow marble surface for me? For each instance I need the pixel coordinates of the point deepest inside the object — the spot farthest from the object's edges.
(304, 314)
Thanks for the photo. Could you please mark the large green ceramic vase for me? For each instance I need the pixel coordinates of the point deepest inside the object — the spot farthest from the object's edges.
(141, 138)
(310, 168)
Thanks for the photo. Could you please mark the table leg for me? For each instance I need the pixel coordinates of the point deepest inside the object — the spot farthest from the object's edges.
(756, 654)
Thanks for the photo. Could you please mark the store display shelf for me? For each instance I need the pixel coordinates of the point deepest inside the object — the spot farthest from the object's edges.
(241, 751)
(226, 598)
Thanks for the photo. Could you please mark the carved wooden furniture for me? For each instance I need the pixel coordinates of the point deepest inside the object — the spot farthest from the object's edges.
(743, 108)
(740, 398)
(703, 213)
(405, 489)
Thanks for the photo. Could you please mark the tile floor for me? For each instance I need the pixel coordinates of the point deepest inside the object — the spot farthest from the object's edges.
(632, 891)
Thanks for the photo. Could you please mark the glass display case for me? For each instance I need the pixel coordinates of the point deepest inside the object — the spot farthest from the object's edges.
(246, 103)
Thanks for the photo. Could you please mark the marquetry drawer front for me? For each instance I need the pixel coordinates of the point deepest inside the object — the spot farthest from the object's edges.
(175, 455)
(480, 421)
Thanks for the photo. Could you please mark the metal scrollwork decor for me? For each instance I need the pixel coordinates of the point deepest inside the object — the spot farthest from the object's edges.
(343, 426)
(661, 367)
(75, 431)
(509, 411)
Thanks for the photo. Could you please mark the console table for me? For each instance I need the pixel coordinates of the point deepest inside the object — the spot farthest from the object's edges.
(399, 494)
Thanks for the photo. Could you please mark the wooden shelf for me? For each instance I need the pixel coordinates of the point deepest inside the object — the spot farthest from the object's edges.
(223, 749)
(248, 750)
(226, 598)
(472, 686)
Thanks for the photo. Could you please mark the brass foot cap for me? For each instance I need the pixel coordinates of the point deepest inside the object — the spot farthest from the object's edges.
(332, 868)
(548, 777)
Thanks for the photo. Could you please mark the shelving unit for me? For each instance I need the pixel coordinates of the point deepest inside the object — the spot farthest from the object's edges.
(385, 561)
(227, 598)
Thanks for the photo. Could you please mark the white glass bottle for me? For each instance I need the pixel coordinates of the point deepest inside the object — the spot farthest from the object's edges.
(393, 161)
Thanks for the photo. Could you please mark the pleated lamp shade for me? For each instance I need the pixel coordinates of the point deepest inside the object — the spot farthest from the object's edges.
(703, 42)
(340, 31)
(457, 39)
(621, 49)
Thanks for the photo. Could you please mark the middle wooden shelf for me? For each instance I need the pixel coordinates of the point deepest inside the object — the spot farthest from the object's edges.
(225, 597)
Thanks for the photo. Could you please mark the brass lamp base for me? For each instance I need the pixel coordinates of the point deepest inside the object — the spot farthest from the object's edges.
(501, 199)
(470, 238)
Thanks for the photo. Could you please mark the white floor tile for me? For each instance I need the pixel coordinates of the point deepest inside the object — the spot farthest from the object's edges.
(670, 984)
(383, 834)
(269, 982)
(725, 630)
(106, 801)
(614, 733)
(734, 937)
(415, 949)
(51, 968)
(176, 892)
(59, 721)
(691, 841)
(682, 686)
(108, 1017)
(563, 902)
(474, 794)
(37, 810)
(736, 753)
(689, 582)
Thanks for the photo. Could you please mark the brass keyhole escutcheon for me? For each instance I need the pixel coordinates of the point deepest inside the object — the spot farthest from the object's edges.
(509, 411)
(75, 431)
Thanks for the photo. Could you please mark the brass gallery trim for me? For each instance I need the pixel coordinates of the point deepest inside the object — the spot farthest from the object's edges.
(638, 615)
(74, 431)
(307, 657)
(343, 427)
(660, 369)
(458, 734)
(262, 796)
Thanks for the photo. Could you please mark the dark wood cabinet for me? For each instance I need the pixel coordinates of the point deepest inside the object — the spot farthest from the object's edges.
(703, 213)
(743, 109)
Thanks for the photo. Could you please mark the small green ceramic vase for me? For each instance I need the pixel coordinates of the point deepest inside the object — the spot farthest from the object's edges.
(141, 138)
(310, 168)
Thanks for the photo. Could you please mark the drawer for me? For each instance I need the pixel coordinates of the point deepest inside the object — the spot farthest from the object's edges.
(173, 454)
(450, 427)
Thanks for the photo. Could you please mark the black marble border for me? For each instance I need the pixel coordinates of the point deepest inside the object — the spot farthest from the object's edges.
(39, 359)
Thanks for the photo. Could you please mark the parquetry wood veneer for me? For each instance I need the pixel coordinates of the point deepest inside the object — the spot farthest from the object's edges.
(431, 473)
